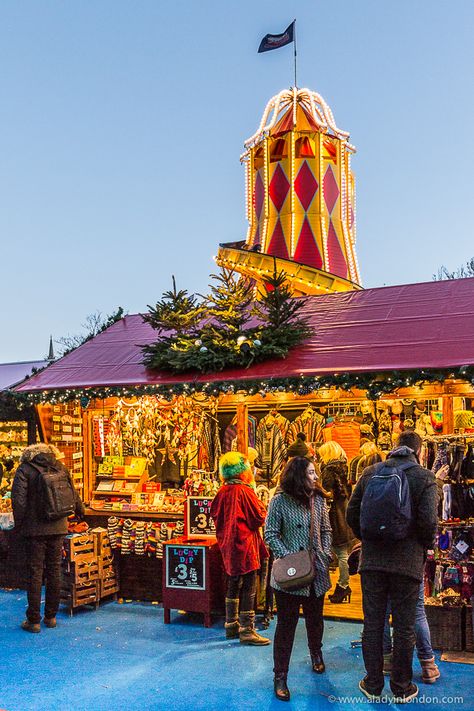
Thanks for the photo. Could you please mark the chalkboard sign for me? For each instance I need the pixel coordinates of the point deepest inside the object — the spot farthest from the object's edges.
(186, 567)
(199, 523)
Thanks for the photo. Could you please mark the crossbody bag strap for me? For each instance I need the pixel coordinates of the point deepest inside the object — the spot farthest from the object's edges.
(311, 526)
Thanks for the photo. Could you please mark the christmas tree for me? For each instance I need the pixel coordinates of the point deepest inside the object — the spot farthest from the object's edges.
(217, 333)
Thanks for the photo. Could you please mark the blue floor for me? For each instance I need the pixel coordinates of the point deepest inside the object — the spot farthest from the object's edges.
(123, 658)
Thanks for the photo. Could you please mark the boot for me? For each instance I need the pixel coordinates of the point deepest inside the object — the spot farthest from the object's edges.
(429, 671)
(31, 626)
(282, 691)
(231, 618)
(387, 664)
(340, 594)
(247, 632)
(317, 662)
(49, 622)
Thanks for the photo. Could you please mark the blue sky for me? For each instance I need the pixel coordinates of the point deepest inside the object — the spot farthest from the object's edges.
(121, 126)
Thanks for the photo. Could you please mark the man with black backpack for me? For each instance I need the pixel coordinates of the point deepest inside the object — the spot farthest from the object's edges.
(393, 510)
(43, 496)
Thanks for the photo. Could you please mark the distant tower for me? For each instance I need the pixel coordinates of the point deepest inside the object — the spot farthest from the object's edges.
(50, 357)
(300, 198)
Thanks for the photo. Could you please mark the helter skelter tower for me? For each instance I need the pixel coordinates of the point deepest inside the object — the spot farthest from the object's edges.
(300, 198)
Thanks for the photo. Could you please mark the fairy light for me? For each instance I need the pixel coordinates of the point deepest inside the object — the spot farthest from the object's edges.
(266, 199)
(322, 207)
(313, 102)
(248, 189)
(292, 191)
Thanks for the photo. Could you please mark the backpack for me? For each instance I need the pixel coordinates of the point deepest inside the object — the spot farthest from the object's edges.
(56, 495)
(385, 512)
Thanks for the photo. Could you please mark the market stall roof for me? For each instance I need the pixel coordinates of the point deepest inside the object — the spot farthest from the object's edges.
(413, 326)
(13, 373)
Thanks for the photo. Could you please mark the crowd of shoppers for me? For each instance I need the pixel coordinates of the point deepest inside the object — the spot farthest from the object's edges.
(317, 486)
(312, 509)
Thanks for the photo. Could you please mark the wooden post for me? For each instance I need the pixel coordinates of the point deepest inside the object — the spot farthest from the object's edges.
(448, 414)
(242, 428)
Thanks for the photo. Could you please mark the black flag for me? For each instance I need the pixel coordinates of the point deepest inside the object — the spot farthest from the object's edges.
(276, 41)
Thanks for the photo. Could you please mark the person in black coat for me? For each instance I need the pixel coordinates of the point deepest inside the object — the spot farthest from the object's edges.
(393, 570)
(44, 539)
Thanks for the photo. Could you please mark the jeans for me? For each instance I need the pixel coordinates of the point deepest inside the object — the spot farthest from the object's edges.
(44, 553)
(243, 587)
(424, 649)
(288, 610)
(377, 589)
(342, 554)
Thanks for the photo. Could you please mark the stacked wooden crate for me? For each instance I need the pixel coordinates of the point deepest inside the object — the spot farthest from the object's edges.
(108, 580)
(88, 573)
(80, 572)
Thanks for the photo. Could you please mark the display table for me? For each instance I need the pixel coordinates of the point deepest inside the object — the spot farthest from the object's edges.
(193, 578)
(139, 576)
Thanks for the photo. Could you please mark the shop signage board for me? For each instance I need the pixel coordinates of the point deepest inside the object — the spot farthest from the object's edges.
(199, 524)
(186, 567)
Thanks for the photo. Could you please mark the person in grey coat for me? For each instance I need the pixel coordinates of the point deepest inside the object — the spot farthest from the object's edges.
(287, 530)
(393, 570)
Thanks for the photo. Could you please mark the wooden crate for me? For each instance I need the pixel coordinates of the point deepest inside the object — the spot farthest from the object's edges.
(78, 595)
(468, 631)
(446, 627)
(80, 560)
(108, 572)
(77, 545)
(108, 587)
(82, 572)
(101, 541)
(105, 562)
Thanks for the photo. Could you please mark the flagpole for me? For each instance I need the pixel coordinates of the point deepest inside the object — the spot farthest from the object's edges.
(294, 44)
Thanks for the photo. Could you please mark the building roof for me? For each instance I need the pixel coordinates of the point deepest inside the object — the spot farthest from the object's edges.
(413, 326)
(13, 373)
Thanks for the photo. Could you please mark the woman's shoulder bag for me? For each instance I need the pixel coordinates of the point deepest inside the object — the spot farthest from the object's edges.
(296, 570)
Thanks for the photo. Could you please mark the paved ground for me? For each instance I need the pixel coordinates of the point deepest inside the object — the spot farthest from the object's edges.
(123, 658)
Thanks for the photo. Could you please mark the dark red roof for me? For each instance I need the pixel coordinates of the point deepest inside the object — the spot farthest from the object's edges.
(428, 325)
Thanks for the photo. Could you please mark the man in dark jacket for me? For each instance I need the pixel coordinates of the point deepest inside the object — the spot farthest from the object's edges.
(393, 571)
(44, 538)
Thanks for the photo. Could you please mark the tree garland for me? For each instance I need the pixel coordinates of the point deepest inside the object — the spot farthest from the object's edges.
(374, 384)
(216, 333)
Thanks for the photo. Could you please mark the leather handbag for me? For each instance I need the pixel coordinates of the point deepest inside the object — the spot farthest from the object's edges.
(296, 570)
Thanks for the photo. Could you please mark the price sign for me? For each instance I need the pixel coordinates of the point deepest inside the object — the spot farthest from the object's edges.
(185, 567)
(199, 523)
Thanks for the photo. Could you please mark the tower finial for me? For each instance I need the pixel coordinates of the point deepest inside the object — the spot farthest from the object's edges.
(51, 350)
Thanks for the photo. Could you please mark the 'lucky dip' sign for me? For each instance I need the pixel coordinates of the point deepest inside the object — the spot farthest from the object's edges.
(185, 567)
